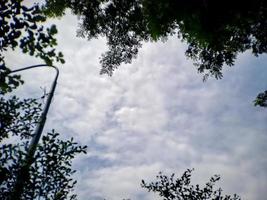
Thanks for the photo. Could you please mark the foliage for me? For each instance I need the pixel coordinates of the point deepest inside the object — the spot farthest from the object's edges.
(21, 27)
(8, 82)
(120, 21)
(215, 31)
(18, 117)
(50, 175)
(261, 99)
(170, 188)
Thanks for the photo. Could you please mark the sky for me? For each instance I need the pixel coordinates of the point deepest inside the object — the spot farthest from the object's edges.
(155, 114)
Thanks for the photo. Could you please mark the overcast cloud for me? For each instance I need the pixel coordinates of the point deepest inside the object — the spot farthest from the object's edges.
(155, 115)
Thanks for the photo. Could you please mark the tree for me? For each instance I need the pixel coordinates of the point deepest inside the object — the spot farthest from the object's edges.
(214, 31)
(171, 188)
(18, 117)
(50, 175)
(261, 99)
(20, 27)
(215, 34)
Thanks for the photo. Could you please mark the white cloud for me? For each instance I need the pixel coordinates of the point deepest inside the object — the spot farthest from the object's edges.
(157, 115)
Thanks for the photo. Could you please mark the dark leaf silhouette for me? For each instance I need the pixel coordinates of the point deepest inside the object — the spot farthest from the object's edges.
(21, 28)
(171, 188)
(216, 32)
(50, 175)
(261, 99)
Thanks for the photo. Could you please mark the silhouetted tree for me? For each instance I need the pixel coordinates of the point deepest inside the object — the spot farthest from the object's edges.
(50, 175)
(18, 117)
(21, 28)
(171, 188)
(261, 99)
(214, 31)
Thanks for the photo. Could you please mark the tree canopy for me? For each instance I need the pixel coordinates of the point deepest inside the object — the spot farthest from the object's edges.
(21, 27)
(171, 188)
(214, 31)
(50, 174)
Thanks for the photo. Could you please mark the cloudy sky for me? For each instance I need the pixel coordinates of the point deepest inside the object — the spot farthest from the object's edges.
(155, 115)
